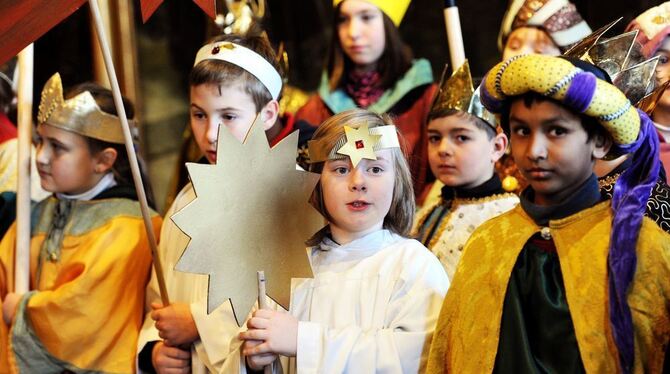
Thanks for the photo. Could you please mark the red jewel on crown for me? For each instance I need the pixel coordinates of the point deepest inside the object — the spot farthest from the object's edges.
(215, 50)
(359, 144)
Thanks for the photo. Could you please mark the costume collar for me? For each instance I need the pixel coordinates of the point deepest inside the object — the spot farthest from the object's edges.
(585, 197)
(106, 182)
(491, 187)
(371, 242)
(418, 75)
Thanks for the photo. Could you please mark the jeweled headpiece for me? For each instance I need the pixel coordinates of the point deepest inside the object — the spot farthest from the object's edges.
(246, 59)
(654, 25)
(621, 58)
(560, 18)
(80, 114)
(457, 92)
(355, 143)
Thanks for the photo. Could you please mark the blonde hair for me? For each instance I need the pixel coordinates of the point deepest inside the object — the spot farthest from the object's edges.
(401, 213)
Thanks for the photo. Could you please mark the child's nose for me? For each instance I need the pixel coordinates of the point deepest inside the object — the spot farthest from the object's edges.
(212, 131)
(537, 148)
(444, 148)
(357, 181)
(354, 29)
(42, 155)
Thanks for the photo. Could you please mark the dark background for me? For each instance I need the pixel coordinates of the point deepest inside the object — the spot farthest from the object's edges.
(304, 26)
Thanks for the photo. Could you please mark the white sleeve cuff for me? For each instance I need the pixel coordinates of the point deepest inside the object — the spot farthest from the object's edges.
(310, 347)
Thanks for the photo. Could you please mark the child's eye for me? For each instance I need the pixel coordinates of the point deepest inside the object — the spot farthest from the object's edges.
(462, 138)
(662, 59)
(367, 17)
(198, 115)
(557, 131)
(520, 131)
(434, 139)
(229, 117)
(375, 170)
(341, 170)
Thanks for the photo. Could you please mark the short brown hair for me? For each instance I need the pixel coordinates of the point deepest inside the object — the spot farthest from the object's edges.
(476, 121)
(401, 214)
(393, 63)
(223, 73)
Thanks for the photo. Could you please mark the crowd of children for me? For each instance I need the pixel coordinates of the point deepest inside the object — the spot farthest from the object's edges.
(571, 275)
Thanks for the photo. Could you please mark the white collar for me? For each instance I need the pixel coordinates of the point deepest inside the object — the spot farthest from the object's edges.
(105, 182)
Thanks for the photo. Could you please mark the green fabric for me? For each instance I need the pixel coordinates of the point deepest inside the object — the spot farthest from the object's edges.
(427, 230)
(536, 330)
(30, 354)
(418, 75)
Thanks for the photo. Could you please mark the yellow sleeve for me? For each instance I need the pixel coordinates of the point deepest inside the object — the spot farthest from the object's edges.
(95, 302)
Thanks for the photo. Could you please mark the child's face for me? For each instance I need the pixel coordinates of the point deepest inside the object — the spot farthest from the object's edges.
(361, 31)
(227, 105)
(460, 154)
(64, 161)
(663, 71)
(550, 147)
(529, 40)
(358, 199)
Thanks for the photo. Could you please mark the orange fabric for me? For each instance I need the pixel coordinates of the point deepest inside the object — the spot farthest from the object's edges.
(93, 297)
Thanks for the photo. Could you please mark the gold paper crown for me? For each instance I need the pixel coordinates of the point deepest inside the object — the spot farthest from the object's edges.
(394, 9)
(80, 114)
(356, 143)
(457, 92)
(620, 57)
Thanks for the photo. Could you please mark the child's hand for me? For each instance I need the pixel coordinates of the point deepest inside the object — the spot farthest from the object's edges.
(257, 362)
(175, 324)
(170, 359)
(9, 306)
(278, 330)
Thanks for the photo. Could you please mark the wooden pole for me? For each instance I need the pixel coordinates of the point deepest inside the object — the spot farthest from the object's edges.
(25, 126)
(132, 157)
(262, 304)
(454, 34)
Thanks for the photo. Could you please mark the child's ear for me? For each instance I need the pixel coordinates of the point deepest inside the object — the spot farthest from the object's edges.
(499, 146)
(105, 159)
(601, 145)
(269, 113)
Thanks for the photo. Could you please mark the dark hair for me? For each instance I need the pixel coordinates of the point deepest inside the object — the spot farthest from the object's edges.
(589, 124)
(221, 72)
(121, 168)
(6, 96)
(393, 63)
(476, 121)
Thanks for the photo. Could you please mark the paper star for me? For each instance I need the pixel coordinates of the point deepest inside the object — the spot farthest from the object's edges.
(251, 213)
(360, 144)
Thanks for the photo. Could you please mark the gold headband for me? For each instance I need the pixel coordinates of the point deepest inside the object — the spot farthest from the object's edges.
(356, 143)
(80, 114)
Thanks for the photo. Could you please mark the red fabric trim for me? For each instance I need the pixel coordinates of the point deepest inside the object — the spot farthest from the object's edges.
(289, 123)
(7, 129)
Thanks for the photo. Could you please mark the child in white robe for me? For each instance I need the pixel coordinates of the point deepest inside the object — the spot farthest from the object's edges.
(375, 296)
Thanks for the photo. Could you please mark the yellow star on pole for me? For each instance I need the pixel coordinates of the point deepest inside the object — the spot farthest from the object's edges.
(251, 213)
(360, 144)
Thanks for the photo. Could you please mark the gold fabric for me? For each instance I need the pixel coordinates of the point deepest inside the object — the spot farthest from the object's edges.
(88, 308)
(466, 338)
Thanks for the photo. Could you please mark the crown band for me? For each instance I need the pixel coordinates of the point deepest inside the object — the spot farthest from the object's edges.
(246, 59)
(80, 114)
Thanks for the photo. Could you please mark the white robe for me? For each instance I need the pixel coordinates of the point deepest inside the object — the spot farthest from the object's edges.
(218, 346)
(371, 307)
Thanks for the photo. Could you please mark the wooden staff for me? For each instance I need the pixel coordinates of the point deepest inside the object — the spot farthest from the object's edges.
(454, 34)
(132, 157)
(25, 125)
(262, 304)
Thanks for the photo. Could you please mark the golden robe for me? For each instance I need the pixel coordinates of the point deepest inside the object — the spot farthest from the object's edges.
(88, 279)
(466, 338)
